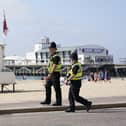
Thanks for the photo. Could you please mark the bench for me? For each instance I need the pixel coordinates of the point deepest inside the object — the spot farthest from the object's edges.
(6, 79)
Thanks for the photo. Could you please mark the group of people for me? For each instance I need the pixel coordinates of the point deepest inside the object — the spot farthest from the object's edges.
(99, 76)
(73, 76)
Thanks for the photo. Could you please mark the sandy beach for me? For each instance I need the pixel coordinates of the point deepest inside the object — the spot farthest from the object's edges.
(33, 90)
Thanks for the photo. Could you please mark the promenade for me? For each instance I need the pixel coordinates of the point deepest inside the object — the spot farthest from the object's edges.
(29, 93)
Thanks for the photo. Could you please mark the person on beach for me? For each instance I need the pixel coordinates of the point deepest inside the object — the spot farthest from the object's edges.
(74, 77)
(53, 78)
(107, 76)
(95, 77)
(101, 75)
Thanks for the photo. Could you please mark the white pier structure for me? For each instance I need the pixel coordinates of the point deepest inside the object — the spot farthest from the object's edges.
(88, 54)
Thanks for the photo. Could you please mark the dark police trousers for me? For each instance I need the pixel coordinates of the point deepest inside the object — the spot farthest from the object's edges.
(55, 82)
(74, 91)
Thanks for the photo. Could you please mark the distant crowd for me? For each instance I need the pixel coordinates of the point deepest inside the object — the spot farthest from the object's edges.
(99, 76)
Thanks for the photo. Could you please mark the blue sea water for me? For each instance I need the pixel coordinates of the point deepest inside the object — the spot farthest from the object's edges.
(28, 77)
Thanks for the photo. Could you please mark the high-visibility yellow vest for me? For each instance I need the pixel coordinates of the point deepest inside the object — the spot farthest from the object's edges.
(58, 67)
(79, 74)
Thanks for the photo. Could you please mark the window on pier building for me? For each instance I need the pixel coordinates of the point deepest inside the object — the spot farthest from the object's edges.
(69, 53)
(47, 56)
(41, 54)
(63, 54)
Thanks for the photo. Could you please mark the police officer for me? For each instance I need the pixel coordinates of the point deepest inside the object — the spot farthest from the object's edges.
(53, 78)
(74, 80)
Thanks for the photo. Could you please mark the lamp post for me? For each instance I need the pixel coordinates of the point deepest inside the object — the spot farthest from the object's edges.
(2, 55)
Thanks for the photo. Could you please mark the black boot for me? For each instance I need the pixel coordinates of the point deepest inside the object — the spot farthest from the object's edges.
(45, 103)
(70, 110)
(88, 106)
(57, 104)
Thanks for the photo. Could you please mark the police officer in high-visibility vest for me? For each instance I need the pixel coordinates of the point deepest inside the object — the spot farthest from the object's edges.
(53, 78)
(74, 77)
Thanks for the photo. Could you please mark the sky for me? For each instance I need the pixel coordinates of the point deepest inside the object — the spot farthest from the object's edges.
(68, 22)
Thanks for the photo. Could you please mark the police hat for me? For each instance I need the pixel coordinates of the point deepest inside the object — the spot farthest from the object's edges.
(74, 56)
(52, 45)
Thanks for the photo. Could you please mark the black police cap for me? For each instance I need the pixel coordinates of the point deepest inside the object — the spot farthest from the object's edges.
(74, 56)
(52, 45)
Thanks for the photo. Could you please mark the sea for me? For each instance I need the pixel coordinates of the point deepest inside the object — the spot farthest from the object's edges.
(29, 77)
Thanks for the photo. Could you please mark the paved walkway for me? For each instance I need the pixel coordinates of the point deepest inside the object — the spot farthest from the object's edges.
(36, 104)
(29, 93)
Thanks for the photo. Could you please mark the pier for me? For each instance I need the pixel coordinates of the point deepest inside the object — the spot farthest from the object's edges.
(41, 70)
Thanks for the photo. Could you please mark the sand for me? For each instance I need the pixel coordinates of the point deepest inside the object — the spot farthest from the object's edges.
(33, 90)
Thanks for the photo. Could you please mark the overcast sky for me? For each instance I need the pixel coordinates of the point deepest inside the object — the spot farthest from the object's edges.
(69, 22)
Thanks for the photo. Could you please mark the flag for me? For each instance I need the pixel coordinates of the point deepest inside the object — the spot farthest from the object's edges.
(5, 28)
